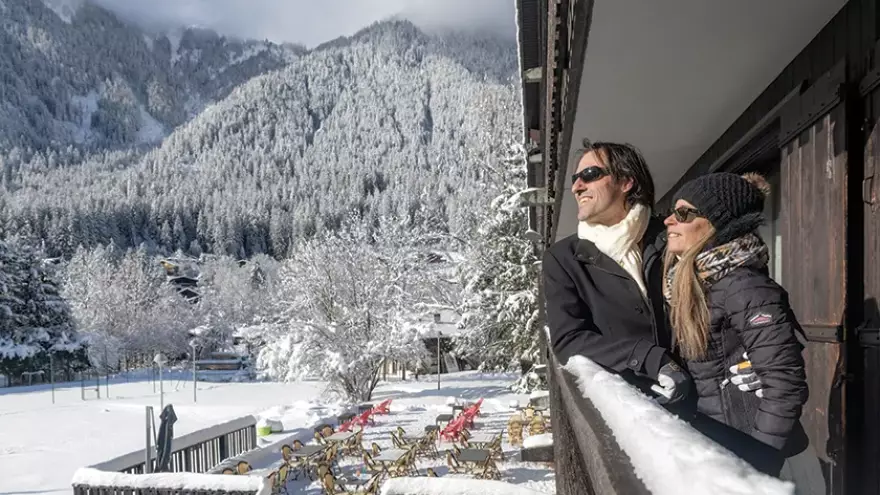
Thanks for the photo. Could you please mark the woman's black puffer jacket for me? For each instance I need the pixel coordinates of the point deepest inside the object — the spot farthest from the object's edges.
(750, 313)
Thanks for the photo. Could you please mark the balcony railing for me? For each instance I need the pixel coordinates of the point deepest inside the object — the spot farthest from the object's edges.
(194, 453)
(609, 439)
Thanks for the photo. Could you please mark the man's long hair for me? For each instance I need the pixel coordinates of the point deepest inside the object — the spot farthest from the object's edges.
(624, 161)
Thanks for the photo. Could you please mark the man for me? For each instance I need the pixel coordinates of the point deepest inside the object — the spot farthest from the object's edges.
(603, 285)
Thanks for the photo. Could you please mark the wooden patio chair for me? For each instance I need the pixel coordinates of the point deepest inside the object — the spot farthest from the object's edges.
(401, 467)
(495, 448)
(371, 487)
(487, 470)
(397, 441)
(331, 486)
(309, 465)
(411, 460)
(452, 462)
(371, 465)
(355, 444)
(279, 480)
(322, 470)
(433, 439)
(536, 425)
(515, 429)
(243, 467)
(331, 455)
(287, 453)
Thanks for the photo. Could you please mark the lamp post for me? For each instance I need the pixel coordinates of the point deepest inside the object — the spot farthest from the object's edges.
(439, 333)
(52, 374)
(192, 344)
(160, 361)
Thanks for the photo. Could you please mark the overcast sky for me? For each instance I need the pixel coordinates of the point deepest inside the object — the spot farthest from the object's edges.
(312, 22)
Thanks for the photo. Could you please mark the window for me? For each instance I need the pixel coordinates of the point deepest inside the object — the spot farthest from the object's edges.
(771, 232)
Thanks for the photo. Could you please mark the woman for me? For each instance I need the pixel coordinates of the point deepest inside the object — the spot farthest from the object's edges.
(722, 305)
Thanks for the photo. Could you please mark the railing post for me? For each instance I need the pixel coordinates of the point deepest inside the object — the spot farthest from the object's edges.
(223, 447)
(148, 461)
(572, 477)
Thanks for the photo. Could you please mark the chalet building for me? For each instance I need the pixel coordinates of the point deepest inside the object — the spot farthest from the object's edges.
(788, 88)
(183, 276)
(437, 329)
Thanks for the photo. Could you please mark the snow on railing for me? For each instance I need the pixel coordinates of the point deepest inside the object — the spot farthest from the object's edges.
(536, 441)
(90, 480)
(198, 451)
(668, 455)
(451, 486)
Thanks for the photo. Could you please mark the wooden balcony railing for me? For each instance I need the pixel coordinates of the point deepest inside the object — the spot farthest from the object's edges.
(611, 439)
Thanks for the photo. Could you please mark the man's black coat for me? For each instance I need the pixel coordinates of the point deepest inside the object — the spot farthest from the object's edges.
(596, 309)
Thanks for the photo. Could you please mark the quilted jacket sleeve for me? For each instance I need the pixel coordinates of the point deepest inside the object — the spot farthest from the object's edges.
(758, 309)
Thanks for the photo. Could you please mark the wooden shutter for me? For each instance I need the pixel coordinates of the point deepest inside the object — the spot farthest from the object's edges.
(813, 217)
(869, 330)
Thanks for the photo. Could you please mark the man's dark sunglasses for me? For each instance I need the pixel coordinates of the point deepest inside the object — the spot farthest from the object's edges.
(589, 174)
(684, 214)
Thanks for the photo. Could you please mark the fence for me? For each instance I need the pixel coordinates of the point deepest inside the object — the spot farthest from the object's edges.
(197, 452)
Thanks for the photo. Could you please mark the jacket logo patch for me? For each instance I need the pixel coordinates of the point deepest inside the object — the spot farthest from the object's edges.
(760, 319)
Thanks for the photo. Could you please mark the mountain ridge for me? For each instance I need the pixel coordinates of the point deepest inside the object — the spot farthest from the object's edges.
(390, 122)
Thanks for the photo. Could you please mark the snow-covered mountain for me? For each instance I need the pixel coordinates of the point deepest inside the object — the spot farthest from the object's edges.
(72, 73)
(388, 122)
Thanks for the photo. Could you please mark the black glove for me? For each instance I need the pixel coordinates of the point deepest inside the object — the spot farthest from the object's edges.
(673, 383)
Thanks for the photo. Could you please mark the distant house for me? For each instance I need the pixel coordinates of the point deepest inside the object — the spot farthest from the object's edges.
(436, 328)
(183, 275)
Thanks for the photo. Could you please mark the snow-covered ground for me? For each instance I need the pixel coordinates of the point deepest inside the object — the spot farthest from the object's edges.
(42, 445)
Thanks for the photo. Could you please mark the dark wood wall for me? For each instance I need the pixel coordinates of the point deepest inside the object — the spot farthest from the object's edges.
(823, 140)
(814, 184)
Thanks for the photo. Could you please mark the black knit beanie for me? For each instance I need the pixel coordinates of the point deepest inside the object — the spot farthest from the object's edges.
(732, 204)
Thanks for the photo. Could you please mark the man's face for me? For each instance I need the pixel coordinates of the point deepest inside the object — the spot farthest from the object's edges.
(601, 201)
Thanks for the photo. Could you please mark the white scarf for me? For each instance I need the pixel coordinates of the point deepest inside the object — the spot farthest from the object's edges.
(620, 241)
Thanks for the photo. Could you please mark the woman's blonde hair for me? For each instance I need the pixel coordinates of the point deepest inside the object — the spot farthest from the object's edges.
(688, 306)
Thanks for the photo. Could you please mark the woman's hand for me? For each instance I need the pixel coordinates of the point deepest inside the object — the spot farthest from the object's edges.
(744, 377)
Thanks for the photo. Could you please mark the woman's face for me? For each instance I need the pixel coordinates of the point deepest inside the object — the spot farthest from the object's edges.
(685, 227)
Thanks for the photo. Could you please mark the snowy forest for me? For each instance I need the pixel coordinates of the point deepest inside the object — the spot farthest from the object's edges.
(329, 197)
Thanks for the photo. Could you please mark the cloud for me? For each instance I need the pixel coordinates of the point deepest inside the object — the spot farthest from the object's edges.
(312, 22)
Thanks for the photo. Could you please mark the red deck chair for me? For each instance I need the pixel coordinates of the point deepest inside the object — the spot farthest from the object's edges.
(363, 418)
(453, 429)
(383, 407)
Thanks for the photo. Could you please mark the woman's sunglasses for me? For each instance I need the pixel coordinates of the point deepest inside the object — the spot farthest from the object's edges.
(589, 174)
(683, 214)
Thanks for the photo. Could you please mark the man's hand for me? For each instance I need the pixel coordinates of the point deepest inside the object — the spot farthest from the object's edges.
(744, 377)
(672, 383)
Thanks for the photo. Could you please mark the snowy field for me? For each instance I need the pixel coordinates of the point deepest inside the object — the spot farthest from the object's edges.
(41, 445)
